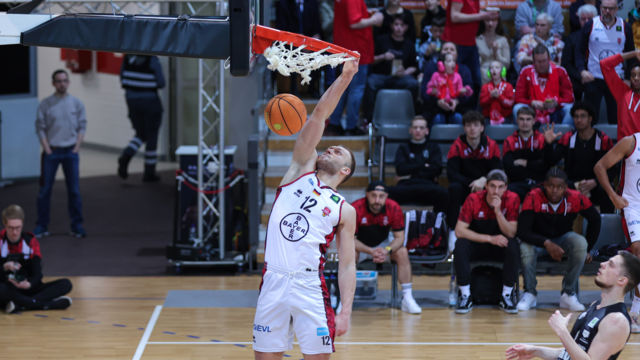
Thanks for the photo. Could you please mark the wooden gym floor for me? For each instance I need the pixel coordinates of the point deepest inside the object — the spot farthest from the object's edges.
(123, 318)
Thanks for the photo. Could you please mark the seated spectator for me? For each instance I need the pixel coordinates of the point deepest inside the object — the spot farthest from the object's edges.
(574, 12)
(471, 156)
(432, 44)
(633, 19)
(430, 105)
(394, 65)
(627, 96)
(486, 230)
(545, 87)
(446, 85)
(541, 36)
(433, 10)
(376, 215)
(492, 46)
(394, 8)
(419, 164)
(523, 154)
(585, 13)
(545, 227)
(497, 96)
(581, 149)
(601, 36)
(21, 286)
(528, 11)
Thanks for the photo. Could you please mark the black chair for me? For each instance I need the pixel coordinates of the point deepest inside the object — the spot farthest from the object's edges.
(444, 135)
(610, 129)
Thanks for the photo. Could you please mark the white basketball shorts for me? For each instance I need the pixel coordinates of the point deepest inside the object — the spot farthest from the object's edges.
(293, 303)
(632, 218)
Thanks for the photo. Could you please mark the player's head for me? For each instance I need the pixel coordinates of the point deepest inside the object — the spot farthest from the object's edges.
(583, 115)
(473, 123)
(525, 118)
(12, 220)
(555, 185)
(496, 183)
(337, 160)
(419, 128)
(377, 194)
(622, 270)
(60, 81)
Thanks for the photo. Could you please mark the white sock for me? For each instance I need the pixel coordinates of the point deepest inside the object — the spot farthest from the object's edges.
(506, 290)
(406, 290)
(465, 290)
(635, 305)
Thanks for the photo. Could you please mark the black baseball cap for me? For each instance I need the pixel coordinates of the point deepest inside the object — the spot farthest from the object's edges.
(377, 185)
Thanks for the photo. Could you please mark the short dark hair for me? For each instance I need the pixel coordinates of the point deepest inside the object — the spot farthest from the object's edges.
(540, 49)
(579, 105)
(439, 21)
(395, 17)
(472, 116)
(556, 172)
(631, 270)
(352, 166)
(59, 71)
(526, 110)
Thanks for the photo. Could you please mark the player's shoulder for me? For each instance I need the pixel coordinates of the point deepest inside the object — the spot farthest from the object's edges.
(616, 321)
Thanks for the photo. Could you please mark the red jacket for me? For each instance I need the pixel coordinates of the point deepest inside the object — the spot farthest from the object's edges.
(555, 85)
(628, 101)
(496, 109)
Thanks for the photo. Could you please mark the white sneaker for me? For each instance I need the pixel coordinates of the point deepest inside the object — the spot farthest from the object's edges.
(527, 301)
(10, 307)
(410, 306)
(570, 302)
(635, 323)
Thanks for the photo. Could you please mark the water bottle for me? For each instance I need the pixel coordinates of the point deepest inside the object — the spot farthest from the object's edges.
(453, 294)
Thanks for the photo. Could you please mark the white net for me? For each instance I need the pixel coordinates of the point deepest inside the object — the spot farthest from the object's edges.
(286, 59)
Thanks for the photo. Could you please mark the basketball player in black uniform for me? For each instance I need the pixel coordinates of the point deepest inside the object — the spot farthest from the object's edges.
(603, 329)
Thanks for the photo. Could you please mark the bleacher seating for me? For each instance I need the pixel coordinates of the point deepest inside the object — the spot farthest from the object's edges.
(611, 232)
(609, 129)
(444, 135)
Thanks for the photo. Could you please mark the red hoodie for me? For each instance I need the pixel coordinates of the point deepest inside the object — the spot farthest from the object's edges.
(496, 109)
(628, 101)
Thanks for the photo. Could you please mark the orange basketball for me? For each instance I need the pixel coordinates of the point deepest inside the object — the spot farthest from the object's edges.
(285, 114)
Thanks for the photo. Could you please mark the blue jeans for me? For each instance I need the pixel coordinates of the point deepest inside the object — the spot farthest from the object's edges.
(562, 115)
(447, 118)
(575, 248)
(69, 161)
(353, 98)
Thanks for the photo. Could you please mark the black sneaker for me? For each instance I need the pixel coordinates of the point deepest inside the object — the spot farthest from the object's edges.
(507, 304)
(59, 303)
(78, 232)
(123, 164)
(465, 304)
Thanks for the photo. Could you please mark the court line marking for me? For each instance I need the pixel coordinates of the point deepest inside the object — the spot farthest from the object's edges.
(147, 332)
(368, 343)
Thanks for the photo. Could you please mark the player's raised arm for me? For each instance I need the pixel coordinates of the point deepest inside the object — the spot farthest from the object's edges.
(346, 266)
(622, 149)
(304, 151)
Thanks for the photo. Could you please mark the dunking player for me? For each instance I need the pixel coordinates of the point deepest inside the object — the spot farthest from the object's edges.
(627, 149)
(306, 214)
(600, 332)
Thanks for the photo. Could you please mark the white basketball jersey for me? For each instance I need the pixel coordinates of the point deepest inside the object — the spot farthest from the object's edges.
(631, 190)
(604, 42)
(302, 223)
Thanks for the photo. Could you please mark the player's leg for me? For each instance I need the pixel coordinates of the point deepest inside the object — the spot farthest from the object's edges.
(313, 317)
(635, 305)
(272, 334)
(631, 225)
(401, 258)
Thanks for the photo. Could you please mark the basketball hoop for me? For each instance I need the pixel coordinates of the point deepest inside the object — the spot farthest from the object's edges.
(289, 53)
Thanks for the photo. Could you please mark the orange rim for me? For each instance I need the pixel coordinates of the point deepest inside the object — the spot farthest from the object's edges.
(263, 37)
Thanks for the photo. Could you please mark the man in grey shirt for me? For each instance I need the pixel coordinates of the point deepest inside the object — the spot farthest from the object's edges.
(528, 11)
(61, 123)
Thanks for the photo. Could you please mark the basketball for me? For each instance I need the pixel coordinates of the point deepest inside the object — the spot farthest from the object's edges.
(285, 114)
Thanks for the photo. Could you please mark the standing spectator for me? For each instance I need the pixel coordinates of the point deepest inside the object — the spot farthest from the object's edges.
(486, 230)
(574, 13)
(463, 19)
(497, 96)
(471, 156)
(352, 25)
(581, 150)
(376, 215)
(430, 102)
(523, 154)
(21, 286)
(141, 77)
(545, 87)
(492, 46)
(627, 96)
(602, 36)
(585, 13)
(394, 65)
(61, 123)
(541, 36)
(419, 164)
(446, 84)
(432, 44)
(545, 226)
(393, 9)
(433, 11)
(633, 18)
(528, 11)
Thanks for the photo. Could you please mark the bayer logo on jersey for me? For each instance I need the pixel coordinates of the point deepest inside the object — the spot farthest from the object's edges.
(294, 227)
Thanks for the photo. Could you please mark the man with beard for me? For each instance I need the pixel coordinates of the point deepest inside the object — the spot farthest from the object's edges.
(603, 329)
(306, 214)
